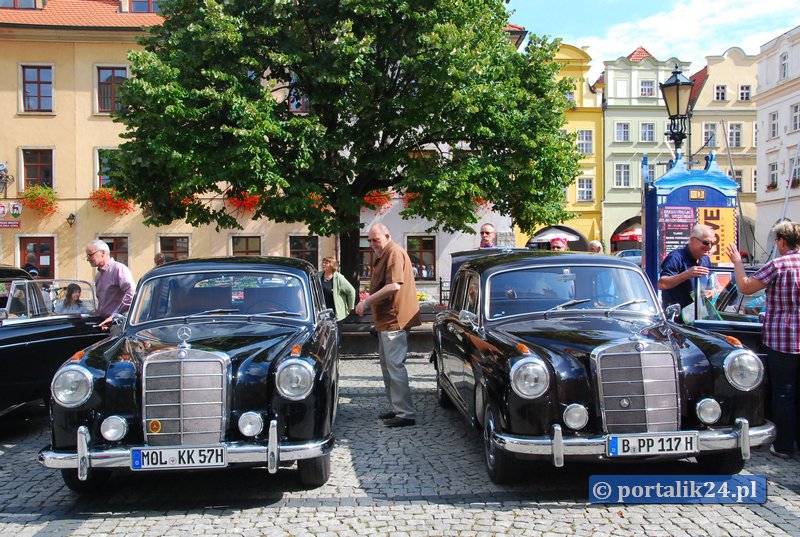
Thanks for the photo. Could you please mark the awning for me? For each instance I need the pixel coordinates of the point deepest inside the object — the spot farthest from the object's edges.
(634, 234)
(550, 234)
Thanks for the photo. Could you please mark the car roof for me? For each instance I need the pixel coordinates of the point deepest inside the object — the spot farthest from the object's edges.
(12, 272)
(532, 258)
(237, 263)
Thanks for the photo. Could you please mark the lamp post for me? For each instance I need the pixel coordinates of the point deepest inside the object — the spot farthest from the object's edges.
(676, 91)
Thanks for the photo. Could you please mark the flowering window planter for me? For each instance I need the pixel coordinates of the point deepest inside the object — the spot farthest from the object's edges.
(110, 201)
(40, 198)
(378, 200)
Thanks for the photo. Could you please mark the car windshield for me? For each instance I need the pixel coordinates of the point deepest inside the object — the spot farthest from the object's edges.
(550, 289)
(249, 293)
(41, 298)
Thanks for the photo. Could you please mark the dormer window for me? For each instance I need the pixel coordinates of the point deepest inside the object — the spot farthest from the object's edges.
(18, 4)
(144, 6)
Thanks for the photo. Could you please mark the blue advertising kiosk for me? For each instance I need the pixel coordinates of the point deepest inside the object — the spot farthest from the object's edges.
(681, 198)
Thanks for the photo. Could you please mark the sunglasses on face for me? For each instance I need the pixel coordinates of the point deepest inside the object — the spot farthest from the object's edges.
(704, 243)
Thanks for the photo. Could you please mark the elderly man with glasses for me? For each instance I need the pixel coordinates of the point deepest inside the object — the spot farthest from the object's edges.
(683, 265)
(488, 236)
(113, 282)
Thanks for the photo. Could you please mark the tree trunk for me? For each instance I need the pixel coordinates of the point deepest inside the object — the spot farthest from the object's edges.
(350, 257)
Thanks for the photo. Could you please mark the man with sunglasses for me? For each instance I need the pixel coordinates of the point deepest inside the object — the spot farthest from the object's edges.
(113, 282)
(488, 236)
(682, 266)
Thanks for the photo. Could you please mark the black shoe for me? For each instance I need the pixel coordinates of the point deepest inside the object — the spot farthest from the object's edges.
(779, 454)
(399, 422)
(389, 414)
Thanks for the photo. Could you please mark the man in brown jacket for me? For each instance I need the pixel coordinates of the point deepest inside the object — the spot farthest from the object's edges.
(395, 308)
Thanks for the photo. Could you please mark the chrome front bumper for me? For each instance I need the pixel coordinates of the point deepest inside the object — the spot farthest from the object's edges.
(741, 436)
(238, 453)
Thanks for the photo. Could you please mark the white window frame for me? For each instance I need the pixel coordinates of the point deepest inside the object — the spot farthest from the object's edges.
(795, 113)
(96, 177)
(585, 138)
(774, 131)
(21, 86)
(772, 168)
(647, 88)
(622, 175)
(642, 137)
(651, 170)
(783, 65)
(720, 92)
(735, 135)
(745, 92)
(626, 129)
(708, 129)
(584, 189)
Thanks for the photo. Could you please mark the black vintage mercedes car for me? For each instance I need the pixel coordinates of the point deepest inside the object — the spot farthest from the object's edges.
(562, 356)
(220, 362)
(37, 333)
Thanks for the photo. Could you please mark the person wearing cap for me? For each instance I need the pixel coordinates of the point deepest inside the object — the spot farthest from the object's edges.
(558, 244)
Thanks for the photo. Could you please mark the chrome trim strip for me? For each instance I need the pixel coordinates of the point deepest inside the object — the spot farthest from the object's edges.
(740, 436)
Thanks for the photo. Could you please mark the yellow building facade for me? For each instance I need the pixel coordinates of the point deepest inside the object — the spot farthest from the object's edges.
(585, 118)
(58, 66)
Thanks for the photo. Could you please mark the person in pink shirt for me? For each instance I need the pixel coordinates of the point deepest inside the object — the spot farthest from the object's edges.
(113, 282)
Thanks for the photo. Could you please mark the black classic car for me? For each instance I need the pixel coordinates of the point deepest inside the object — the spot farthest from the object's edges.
(220, 362)
(569, 356)
(37, 333)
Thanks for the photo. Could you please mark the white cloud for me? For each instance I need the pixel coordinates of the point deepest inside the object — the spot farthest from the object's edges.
(690, 30)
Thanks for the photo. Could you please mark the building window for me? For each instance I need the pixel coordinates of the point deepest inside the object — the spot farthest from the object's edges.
(710, 134)
(736, 176)
(103, 167)
(303, 247)
(744, 92)
(647, 88)
(585, 142)
(38, 166)
(18, 4)
(784, 65)
(773, 124)
(118, 247)
(622, 132)
(422, 251)
(108, 82)
(719, 92)
(585, 189)
(622, 175)
(735, 135)
(246, 246)
(755, 134)
(794, 174)
(773, 176)
(755, 180)
(647, 132)
(367, 257)
(795, 108)
(37, 83)
(144, 6)
(174, 248)
(297, 100)
(651, 171)
(570, 98)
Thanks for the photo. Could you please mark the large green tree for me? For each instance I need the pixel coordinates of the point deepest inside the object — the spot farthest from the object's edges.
(427, 97)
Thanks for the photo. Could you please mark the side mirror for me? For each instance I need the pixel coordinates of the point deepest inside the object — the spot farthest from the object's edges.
(469, 318)
(117, 323)
(672, 311)
(3, 314)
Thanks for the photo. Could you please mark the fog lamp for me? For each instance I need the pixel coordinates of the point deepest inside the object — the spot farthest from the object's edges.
(576, 417)
(251, 423)
(709, 411)
(114, 428)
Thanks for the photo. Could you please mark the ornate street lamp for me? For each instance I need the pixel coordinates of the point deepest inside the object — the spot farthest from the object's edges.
(676, 91)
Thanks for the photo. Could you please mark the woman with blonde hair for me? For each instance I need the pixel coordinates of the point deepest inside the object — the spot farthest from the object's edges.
(780, 334)
(339, 294)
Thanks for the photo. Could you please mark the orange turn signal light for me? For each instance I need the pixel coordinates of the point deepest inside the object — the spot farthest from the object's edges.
(77, 356)
(295, 350)
(521, 347)
(733, 341)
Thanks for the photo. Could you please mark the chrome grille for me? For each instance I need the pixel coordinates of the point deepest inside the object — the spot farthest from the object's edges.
(184, 398)
(638, 390)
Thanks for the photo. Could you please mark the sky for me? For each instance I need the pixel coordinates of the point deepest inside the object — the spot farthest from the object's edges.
(688, 30)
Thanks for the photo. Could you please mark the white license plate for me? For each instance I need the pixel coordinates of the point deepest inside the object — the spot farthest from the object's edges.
(622, 445)
(179, 457)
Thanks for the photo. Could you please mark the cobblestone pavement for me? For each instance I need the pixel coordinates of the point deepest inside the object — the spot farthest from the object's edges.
(423, 480)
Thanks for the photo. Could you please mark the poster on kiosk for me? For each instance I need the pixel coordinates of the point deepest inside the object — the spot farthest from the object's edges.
(681, 198)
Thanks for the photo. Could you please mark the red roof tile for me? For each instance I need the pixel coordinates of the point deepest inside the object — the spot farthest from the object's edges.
(639, 54)
(78, 14)
(699, 78)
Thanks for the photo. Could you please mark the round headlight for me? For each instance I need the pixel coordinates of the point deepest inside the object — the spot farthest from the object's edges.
(251, 423)
(743, 369)
(529, 378)
(709, 411)
(576, 416)
(113, 428)
(295, 379)
(71, 386)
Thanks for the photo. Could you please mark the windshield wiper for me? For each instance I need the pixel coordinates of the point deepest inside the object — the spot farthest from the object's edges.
(279, 314)
(625, 305)
(212, 312)
(567, 304)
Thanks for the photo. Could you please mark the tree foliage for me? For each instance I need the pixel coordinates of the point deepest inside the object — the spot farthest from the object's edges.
(424, 96)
